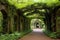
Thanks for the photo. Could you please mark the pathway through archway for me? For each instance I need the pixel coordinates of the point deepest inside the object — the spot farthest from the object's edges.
(37, 34)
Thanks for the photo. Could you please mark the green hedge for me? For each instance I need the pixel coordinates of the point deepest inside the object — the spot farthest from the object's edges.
(13, 36)
(52, 34)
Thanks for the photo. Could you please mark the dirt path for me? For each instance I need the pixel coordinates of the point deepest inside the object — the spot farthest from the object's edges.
(36, 36)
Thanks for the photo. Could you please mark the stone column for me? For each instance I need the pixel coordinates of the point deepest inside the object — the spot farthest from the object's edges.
(18, 23)
(11, 24)
(10, 21)
(21, 23)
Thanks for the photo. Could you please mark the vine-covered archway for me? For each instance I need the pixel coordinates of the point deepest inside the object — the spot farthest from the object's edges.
(4, 21)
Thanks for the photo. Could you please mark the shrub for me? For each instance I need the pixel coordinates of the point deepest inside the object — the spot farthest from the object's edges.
(52, 34)
(13, 36)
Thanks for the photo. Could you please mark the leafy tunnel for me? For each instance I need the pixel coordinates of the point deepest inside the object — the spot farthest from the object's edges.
(16, 17)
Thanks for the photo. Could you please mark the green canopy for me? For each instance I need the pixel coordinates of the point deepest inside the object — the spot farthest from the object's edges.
(24, 3)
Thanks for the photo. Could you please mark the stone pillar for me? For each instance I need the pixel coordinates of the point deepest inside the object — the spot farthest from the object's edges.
(10, 21)
(48, 20)
(18, 23)
(21, 23)
(54, 20)
(11, 24)
(58, 20)
(8, 25)
(28, 20)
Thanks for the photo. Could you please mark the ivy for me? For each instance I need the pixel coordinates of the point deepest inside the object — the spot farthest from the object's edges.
(1, 18)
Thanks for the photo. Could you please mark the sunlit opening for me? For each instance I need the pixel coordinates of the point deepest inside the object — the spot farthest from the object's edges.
(37, 25)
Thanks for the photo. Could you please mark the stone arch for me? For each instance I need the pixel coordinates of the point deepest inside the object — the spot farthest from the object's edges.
(5, 21)
(34, 21)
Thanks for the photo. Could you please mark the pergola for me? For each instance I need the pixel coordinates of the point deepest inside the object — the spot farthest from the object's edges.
(17, 20)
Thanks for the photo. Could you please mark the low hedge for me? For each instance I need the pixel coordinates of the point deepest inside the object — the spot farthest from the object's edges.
(52, 34)
(13, 36)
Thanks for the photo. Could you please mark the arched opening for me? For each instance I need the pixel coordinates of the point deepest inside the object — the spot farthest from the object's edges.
(4, 21)
(37, 25)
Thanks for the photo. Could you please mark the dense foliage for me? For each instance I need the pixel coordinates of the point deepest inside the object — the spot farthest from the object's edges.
(30, 9)
(14, 36)
(52, 34)
(24, 3)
